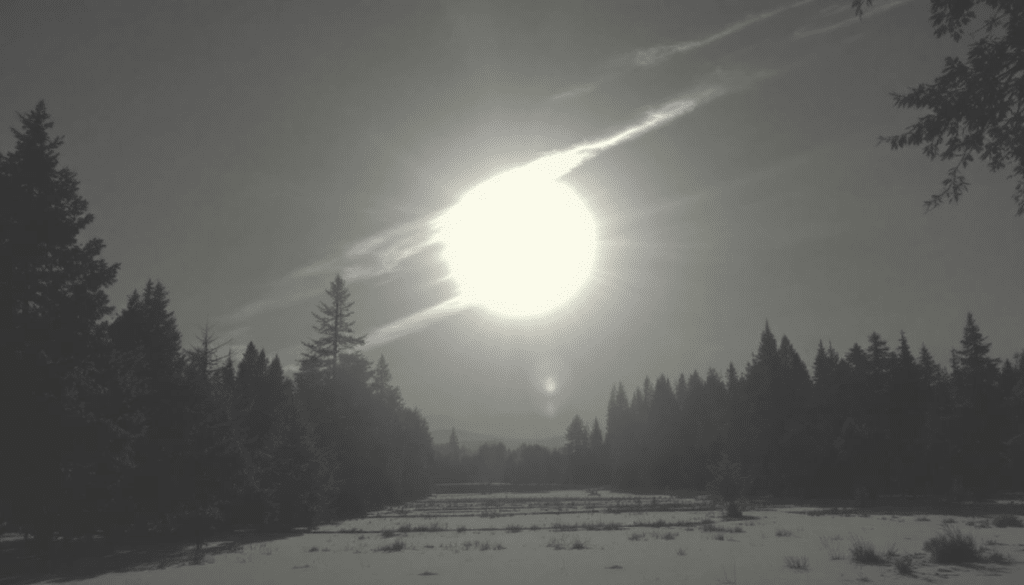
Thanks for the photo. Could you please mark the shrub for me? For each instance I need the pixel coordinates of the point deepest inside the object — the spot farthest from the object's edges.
(513, 528)
(578, 544)
(394, 546)
(904, 565)
(783, 532)
(1006, 521)
(863, 552)
(798, 563)
(952, 547)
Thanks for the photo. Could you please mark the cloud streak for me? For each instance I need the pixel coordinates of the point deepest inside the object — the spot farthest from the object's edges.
(875, 10)
(651, 56)
(655, 55)
(385, 252)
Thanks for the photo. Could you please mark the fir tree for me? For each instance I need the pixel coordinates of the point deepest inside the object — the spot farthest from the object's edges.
(57, 434)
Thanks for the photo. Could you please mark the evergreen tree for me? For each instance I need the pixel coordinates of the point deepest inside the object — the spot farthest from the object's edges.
(978, 412)
(664, 430)
(577, 449)
(333, 325)
(617, 426)
(599, 455)
(59, 446)
(333, 386)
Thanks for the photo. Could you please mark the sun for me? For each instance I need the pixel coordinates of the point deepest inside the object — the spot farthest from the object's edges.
(519, 246)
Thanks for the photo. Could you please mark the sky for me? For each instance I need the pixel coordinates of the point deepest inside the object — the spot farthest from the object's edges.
(243, 153)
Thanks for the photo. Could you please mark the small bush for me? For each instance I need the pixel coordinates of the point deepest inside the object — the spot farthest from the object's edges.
(798, 563)
(638, 536)
(555, 543)
(1007, 521)
(460, 529)
(394, 546)
(719, 537)
(863, 552)
(681, 552)
(513, 528)
(952, 547)
(387, 533)
(783, 532)
(578, 544)
(668, 535)
(904, 565)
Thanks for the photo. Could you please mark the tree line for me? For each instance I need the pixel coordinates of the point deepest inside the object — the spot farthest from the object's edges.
(112, 426)
(874, 420)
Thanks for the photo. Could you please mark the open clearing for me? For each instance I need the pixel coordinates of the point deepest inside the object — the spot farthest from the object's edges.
(575, 536)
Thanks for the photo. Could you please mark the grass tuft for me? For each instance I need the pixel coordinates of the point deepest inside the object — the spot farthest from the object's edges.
(395, 545)
(952, 547)
(797, 563)
(904, 565)
(863, 552)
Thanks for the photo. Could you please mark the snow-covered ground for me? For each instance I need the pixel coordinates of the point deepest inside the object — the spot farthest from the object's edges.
(569, 537)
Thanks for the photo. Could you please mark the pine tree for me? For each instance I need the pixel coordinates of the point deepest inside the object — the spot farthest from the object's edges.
(664, 429)
(333, 385)
(577, 449)
(57, 439)
(979, 418)
(334, 328)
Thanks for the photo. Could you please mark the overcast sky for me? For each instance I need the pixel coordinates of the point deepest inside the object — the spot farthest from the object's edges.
(239, 152)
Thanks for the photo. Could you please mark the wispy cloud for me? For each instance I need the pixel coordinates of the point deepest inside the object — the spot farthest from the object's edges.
(415, 322)
(651, 56)
(385, 252)
(655, 55)
(875, 10)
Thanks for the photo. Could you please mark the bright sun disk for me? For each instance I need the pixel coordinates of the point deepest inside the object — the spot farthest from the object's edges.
(519, 246)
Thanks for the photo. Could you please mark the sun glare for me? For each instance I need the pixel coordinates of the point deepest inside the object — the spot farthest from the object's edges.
(519, 246)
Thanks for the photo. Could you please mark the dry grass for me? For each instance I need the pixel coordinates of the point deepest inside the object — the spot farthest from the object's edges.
(863, 552)
(952, 547)
(904, 565)
(797, 563)
(395, 545)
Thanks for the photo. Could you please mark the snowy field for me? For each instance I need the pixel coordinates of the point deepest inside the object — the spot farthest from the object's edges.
(569, 537)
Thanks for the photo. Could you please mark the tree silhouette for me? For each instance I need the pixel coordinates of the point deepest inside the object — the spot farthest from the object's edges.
(976, 106)
(56, 432)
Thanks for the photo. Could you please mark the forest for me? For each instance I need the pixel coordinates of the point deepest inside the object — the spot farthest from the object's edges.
(112, 425)
(874, 420)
